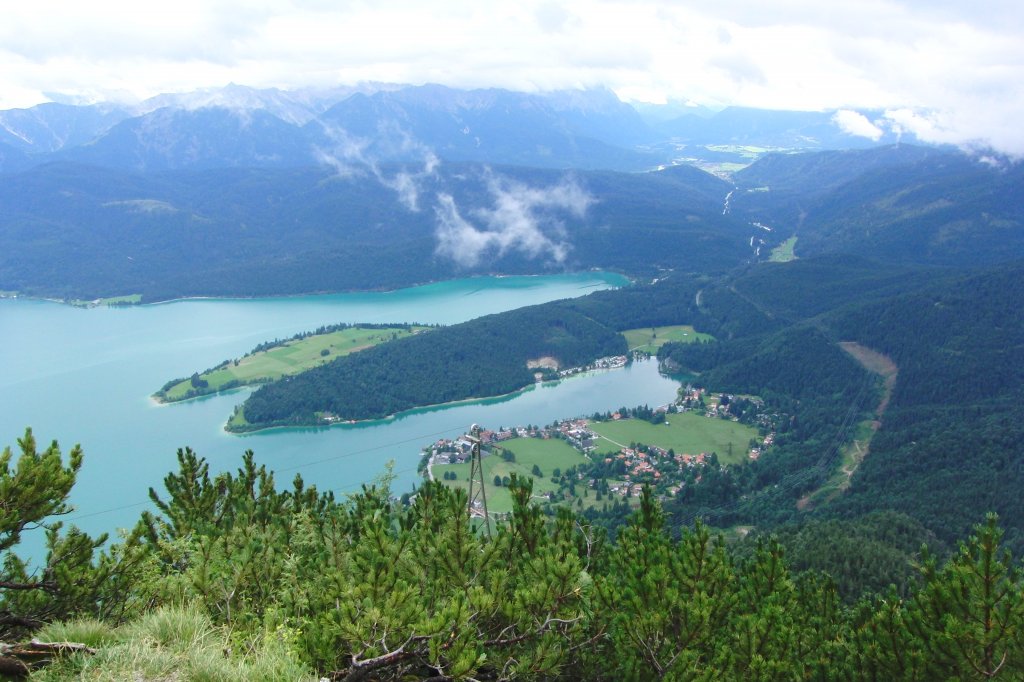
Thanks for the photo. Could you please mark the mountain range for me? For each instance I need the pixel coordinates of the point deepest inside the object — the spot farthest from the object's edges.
(237, 126)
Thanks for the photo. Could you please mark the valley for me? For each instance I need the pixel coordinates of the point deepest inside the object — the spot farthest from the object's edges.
(512, 342)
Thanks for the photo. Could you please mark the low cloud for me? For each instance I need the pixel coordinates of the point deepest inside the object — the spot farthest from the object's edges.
(521, 219)
(352, 156)
(856, 123)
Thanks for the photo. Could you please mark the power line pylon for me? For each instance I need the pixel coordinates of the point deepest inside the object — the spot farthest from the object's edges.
(478, 497)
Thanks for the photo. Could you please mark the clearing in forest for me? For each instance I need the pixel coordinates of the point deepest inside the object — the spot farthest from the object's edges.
(783, 253)
(855, 452)
(650, 339)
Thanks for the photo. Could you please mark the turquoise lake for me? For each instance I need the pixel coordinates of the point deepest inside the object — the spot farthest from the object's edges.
(86, 375)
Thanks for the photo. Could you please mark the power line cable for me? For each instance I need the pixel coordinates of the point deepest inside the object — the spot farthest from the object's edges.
(325, 460)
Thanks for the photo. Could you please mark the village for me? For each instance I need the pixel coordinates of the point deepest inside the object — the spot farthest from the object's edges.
(605, 468)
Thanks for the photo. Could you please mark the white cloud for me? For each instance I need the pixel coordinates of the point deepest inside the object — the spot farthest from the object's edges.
(523, 219)
(856, 123)
(350, 156)
(960, 64)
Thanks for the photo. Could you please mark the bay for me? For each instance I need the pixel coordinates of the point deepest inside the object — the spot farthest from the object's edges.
(86, 375)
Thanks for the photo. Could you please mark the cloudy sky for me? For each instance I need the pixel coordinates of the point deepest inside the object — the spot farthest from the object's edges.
(951, 70)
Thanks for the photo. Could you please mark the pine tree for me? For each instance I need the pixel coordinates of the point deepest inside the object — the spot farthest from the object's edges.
(72, 580)
(968, 617)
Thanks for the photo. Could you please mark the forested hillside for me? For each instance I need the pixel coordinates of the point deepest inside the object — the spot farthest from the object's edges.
(84, 232)
(898, 204)
(948, 432)
(948, 445)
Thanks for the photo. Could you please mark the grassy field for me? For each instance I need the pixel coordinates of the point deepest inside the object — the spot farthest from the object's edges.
(747, 150)
(719, 168)
(288, 359)
(547, 454)
(689, 433)
(650, 339)
(783, 253)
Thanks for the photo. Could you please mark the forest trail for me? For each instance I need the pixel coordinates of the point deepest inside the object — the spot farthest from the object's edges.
(857, 450)
(877, 363)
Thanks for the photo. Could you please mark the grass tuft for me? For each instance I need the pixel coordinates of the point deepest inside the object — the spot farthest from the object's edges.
(168, 645)
(86, 631)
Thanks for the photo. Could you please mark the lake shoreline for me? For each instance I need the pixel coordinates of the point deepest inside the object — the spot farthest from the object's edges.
(434, 406)
(98, 302)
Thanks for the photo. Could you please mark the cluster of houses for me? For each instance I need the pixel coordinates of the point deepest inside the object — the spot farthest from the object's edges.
(636, 466)
(652, 465)
(458, 450)
(756, 451)
(610, 362)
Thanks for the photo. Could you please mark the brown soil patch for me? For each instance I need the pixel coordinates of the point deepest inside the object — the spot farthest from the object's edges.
(547, 361)
(876, 362)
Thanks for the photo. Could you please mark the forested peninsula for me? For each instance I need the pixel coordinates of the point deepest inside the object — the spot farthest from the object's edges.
(488, 356)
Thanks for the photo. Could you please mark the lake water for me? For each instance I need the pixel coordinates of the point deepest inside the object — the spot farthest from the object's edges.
(85, 376)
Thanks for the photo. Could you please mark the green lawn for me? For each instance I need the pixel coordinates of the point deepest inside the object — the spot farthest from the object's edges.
(288, 359)
(650, 339)
(688, 433)
(783, 253)
(547, 454)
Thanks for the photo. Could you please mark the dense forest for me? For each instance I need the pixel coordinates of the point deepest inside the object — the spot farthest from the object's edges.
(85, 232)
(294, 584)
(949, 442)
(78, 231)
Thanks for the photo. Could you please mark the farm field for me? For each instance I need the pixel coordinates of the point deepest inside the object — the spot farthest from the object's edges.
(686, 433)
(650, 339)
(289, 358)
(548, 454)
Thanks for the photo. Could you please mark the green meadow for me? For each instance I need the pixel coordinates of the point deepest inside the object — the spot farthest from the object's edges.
(783, 253)
(650, 339)
(687, 433)
(289, 358)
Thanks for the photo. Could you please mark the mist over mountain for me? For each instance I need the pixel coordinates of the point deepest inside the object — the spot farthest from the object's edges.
(785, 129)
(238, 126)
(237, 191)
(76, 229)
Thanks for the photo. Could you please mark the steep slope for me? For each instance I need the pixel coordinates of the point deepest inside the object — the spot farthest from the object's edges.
(205, 138)
(949, 444)
(52, 126)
